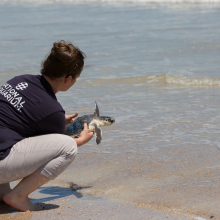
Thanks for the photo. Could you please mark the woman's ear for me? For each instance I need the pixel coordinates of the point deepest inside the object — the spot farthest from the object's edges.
(69, 78)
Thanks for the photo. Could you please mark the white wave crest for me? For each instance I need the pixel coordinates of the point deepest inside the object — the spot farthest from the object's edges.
(124, 1)
(185, 81)
(163, 79)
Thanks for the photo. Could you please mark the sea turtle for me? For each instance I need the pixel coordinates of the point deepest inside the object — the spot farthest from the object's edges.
(93, 121)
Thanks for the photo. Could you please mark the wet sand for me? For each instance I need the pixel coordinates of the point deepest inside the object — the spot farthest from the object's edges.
(65, 203)
(174, 181)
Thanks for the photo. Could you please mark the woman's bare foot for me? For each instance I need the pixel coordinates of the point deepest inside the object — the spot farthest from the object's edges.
(18, 197)
(4, 189)
(21, 203)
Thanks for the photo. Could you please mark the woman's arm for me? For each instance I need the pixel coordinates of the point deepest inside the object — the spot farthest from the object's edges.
(55, 124)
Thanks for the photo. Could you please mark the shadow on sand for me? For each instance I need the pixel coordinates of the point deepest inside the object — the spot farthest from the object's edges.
(42, 196)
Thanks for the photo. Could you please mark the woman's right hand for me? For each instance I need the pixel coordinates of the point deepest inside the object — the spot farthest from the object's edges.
(84, 137)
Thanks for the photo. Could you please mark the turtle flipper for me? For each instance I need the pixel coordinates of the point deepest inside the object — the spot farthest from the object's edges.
(96, 112)
(98, 134)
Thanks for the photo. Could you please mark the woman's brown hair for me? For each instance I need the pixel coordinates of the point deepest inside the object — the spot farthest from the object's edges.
(64, 60)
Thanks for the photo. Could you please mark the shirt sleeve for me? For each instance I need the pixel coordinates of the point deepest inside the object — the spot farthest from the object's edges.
(54, 123)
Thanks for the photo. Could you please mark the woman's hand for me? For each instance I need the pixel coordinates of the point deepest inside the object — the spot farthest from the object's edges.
(70, 118)
(84, 137)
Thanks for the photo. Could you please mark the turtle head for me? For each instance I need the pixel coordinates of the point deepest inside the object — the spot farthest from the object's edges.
(107, 120)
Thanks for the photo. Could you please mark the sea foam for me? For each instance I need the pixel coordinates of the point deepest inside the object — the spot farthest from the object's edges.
(125, 1)
(163, 79)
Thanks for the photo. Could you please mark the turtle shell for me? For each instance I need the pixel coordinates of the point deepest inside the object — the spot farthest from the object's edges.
(77, 126)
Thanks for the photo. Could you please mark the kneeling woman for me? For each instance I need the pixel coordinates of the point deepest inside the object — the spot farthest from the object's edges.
(32, 144)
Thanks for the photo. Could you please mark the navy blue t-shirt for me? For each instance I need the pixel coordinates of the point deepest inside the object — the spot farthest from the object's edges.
(28, 107)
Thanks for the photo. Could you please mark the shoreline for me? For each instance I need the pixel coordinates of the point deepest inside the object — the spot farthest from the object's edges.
(65, 203)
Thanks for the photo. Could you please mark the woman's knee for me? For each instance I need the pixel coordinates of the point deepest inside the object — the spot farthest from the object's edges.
(69, 146)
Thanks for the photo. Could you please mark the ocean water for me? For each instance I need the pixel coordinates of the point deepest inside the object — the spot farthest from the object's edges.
(154, 68)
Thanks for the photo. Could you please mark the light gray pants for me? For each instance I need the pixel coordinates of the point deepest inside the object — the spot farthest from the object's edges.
(49, 155)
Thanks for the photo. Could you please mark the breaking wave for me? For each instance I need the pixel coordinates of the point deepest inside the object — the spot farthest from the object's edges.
(164, 79)
(185, 81)
(125, 1)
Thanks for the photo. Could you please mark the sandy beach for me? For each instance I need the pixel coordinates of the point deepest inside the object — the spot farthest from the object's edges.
(65, 203)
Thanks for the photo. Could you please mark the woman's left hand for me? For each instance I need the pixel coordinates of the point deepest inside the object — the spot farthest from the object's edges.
(70, 118)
